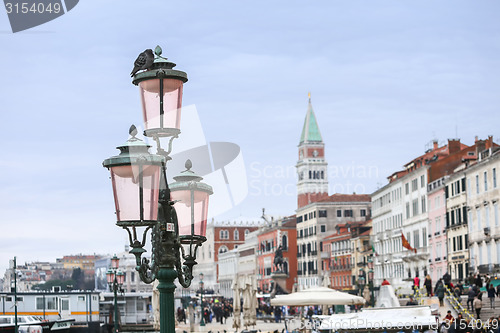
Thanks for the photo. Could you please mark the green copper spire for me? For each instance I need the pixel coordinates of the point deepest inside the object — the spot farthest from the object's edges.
(310, 131)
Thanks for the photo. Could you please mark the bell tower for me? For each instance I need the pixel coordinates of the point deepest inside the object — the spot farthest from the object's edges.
(312, 168)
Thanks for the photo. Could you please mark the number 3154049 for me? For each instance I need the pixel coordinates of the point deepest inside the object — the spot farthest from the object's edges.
(35, 8)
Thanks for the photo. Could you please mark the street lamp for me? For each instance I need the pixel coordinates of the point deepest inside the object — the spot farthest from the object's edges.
(115, 280)
(202, 321)
(176, 214)
(361, 280)
(370, 279)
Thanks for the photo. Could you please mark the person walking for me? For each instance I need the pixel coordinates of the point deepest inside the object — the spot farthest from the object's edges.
(470, 298)
(440, 294)
(416, 283)
(428, 285)
(478, 304)
(491, 295)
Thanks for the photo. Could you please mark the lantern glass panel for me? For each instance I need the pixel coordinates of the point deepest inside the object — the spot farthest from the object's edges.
(110, 277)
(126, 180)
(183, 209)
(120, 278)
(115, 262)
(172, 103)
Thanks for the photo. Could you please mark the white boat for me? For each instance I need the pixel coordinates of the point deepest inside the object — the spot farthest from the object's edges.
(396, 319)
(33, 324)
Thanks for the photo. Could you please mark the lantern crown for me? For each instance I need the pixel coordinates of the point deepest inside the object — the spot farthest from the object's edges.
(188, 178)
(133, 151)
(161, 68)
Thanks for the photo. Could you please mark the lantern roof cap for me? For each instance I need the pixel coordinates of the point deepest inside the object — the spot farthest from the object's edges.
(133, 151)
(161, 68)
(188, 179)
(188, 174)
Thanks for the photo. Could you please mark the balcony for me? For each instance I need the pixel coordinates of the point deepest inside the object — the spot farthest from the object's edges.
(313, 253)
(487, 231)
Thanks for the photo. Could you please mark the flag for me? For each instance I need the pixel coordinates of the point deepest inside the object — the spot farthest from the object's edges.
(406, 244)
(374, 252)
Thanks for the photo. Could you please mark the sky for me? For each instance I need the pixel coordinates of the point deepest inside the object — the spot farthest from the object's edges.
(386, 78)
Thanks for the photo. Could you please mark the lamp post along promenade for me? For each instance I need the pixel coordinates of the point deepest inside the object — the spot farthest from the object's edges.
(174, 214)
(115, 280)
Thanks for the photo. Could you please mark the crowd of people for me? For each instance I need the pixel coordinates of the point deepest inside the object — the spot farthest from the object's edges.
(450, 324)
(213, 309)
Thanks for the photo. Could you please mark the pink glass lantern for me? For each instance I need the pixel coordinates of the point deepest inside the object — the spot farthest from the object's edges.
(135, 176)
(161, 96)
(191, 196)
(120, 278)
(115, 262)
(110, 276)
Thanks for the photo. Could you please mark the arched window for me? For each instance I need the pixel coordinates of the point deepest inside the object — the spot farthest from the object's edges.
(236, 234)
(223, 249)
(246, 233)
(224, 234)
(284, 242)
(285, 267)
(310, 174)
(322, 175)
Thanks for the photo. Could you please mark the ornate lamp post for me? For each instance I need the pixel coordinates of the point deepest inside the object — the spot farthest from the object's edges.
(370, 279)
(115, 280)
(361, 280)
(176, 214)
(202, 321)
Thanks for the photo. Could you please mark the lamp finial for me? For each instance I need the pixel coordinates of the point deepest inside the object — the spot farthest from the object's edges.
(132, 131)
(188, 164)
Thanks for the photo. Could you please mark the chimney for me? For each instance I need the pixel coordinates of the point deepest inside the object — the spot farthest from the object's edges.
(476, 139)
(480, 146)
(453, 146)
(434, 144)
(489, 143)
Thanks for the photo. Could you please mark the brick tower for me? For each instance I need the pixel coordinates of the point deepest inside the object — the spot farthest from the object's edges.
(312, 169)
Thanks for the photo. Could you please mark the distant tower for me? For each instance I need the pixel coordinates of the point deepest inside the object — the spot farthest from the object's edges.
(312, 168)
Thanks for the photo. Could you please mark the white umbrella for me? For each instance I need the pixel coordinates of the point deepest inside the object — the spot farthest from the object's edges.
(236, 304)
(249, 290)
(317, 296)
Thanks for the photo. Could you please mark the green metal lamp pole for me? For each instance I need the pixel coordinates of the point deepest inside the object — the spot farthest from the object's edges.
(144, 200)
(14, 267)
(202, 321)
(370, 278)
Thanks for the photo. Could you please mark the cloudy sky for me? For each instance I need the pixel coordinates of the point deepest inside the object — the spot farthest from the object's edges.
(386, 78)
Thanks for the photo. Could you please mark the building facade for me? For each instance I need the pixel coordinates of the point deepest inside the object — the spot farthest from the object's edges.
(483, 215)
(318, 220)
(281, 232)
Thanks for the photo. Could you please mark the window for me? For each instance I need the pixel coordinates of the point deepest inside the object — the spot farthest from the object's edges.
(494, 178)
(236, 234)
(495, 212)
(407, 188)
(414, 184)
(223, 249)
(422, 181)
(323, 228)
(322, 213)
(362, 213)
(487, 215)
(423, 204)
(415, 207)
(339, 213)
(424, 237)
(407, 210)
(224, 234)
(485, 181)
(348, 213)
(39, 303)
(477, 184)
